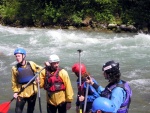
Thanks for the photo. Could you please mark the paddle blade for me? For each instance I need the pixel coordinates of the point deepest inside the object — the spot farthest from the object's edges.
(4, 107)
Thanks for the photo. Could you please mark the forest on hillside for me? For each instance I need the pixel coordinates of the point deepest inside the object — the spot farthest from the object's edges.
(42, 13)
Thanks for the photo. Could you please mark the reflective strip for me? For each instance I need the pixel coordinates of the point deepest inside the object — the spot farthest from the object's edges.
(108, 67)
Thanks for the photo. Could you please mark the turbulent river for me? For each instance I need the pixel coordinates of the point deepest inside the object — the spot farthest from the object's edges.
(132, 51)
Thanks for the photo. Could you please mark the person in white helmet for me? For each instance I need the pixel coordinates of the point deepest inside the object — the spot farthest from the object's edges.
(57, 84)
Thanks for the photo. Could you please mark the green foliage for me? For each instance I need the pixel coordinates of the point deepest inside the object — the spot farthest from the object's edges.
(104, 17)
(103, 1)
(8, 9)
(127, 18)
(76, 19)
(62, 12)
(51, 14)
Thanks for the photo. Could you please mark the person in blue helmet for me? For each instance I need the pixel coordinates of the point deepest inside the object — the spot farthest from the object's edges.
(22, 73)
(102, 105)
(118, 91)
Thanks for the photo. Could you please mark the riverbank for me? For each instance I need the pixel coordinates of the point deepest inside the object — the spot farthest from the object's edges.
(98, 27)
(89, 25)
(113, 28)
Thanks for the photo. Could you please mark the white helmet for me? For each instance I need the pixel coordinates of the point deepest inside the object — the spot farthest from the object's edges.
(53, 58)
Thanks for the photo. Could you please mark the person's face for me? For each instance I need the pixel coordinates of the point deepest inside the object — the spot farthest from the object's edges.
(105, 75)
(19, 57)
(55, 65)
(77, 74)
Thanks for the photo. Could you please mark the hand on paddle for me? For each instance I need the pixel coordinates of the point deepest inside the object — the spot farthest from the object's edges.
(89, 80)
(15, 95)
(37, 80)
(81, 98)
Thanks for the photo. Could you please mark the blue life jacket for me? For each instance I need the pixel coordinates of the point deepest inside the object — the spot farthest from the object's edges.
(125, 105)
(24, 74)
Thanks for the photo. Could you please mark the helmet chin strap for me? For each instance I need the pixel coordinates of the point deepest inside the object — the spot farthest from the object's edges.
(23, 59)
(108, 78)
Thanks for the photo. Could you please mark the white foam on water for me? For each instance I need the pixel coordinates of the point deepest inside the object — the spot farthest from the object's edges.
(13, 30)
(61, 37)
(141, 84)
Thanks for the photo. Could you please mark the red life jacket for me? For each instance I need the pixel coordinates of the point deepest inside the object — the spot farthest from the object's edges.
(53, 82)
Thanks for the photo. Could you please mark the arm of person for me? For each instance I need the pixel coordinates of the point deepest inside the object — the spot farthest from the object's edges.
(95, 85)
(93, 94)
(99, 89)
(69, 90)
(117, 97)
(35, 67)
(14, 80)
(42, 76)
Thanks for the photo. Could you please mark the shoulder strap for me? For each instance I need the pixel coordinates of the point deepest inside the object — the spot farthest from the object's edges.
(111, 87)
(57, 73)
(28, 63)
(122, 85)
(18, 65)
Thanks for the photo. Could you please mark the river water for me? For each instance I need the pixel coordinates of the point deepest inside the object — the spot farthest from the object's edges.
(132, 51)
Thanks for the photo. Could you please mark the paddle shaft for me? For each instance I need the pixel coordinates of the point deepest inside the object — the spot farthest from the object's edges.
(39, 96)
(86, 94)
(80, 78)
(79, 66)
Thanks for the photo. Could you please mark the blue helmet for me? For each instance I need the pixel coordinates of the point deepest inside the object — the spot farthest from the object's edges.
(103, 104)
(19, 51)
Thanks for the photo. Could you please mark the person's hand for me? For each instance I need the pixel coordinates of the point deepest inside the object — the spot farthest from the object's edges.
(15, 95)
(68, 105)
(81, 98)
(89, 80)
(47, 64)
(37, 80)
(77, 109)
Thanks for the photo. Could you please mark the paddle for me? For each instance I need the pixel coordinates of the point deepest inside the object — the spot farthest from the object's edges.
(86, 94)
(80, 107)
(39, 96)
(4, 107)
